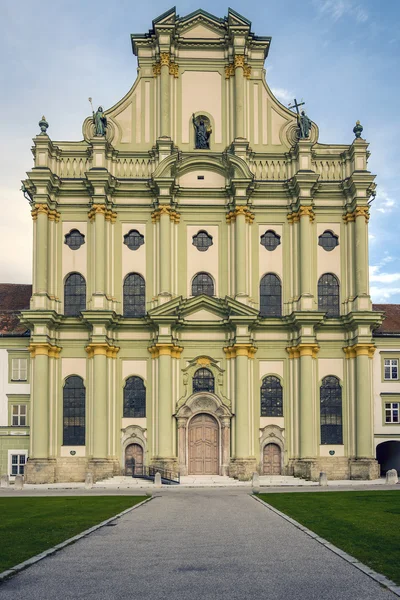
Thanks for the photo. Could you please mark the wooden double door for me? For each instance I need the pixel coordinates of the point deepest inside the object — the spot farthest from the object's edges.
(203, 446)
(134, 460)
(272, 460)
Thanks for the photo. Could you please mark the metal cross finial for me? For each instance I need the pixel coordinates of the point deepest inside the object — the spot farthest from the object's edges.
(296, 105)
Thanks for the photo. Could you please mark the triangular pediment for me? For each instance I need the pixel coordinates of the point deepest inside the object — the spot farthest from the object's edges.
(235, 18)
(203, 309)
(166, 18)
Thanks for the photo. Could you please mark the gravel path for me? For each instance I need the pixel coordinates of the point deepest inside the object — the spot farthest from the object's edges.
(200, 544)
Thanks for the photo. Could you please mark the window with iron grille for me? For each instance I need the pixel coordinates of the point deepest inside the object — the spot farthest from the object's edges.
(134, 398)
(392, 412)
(74, 239)
(328, 241)
(74, 295)
(74, 411)
(331, 411)
(18, 462)
(270, 296)
(391, 367)
(328, 295)
(134, 239)
(270, 240)
(18, 415)
(202, 284)
(271, 397)
(203, 381)
(19, 369)
(134, 296)
(202, 240)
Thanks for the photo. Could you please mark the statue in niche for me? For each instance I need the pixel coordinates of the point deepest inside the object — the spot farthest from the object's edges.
(203, 130)
(100, 122)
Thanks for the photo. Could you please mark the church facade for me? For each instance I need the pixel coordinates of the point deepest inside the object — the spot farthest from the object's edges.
(200, 293)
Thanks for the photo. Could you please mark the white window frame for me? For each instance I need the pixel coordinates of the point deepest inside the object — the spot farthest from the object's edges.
(20, 414)
(12, 453)
(391, 407)
(393, 363)
(19, 369)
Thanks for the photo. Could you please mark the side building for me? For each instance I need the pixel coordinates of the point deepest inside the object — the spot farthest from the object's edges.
(200, 289)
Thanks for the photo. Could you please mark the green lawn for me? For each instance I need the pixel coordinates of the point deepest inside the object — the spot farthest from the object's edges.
(29, 526)
(364, 524)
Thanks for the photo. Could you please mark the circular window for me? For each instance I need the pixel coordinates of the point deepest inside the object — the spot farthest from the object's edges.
(328, 241)
(270, 240)
(134, 239)
(202, 240)
(74, 239)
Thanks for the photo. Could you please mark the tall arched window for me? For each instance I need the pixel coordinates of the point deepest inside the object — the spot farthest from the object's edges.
(271, 397)
(270, 296)
(134, 296)
(203, 381)
(74, 411)
(328, 295)
(202, 284)
(74, 295)
(331, 411)
(134, 398)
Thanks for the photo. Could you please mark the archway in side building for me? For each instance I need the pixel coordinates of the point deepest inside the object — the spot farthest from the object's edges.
(388, 456)
(203, 442)
(133, 460)
(272, 460)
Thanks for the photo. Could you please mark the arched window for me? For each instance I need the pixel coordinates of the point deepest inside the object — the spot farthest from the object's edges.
(331, 411)
(134, 296)
(271, 397)
(74, 295)
(328, 295)
(74, 411)
(203, 381)
(202, 284)
(134, 398)
(270, 296)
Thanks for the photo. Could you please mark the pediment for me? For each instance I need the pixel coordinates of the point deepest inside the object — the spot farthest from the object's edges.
(203, 308)
(203, 315)
(201, 31)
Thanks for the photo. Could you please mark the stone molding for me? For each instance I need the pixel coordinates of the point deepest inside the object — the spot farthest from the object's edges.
(172, 350)
(272, 434)
(44, 349)
(360, 350)
(133, 434)
(101, 349)
(303, 350)
(240, 350)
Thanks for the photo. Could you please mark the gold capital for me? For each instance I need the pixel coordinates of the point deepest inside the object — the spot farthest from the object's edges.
(349, 218)
(164, 59)
(174, 70)
(44, 349)
(303, 350)
(362, 211)
(156, 69)
(240, 350)
(239, 61)
(229, 71)
(307, 211)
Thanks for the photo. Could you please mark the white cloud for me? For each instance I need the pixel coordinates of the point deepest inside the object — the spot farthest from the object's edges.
(382, 288)
(380, 295)
(284, 95)
(383, 202)
(336, 9)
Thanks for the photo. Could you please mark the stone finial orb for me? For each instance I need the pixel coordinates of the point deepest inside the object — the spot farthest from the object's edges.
(43, 124)
(358, 130)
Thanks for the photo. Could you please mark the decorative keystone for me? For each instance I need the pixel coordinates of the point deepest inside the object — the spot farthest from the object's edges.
(358, 130)
(43, 124)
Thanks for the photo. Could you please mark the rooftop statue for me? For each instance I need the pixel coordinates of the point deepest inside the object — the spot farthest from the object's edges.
(303, 122)
(99, 120)
(202, 132)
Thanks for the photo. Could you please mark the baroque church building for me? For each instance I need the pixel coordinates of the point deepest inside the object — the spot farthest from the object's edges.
(200, 294)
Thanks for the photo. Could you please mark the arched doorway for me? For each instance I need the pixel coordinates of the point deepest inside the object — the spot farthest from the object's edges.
(203, 445)
(272, 460)
(388, 456)
(134, 460)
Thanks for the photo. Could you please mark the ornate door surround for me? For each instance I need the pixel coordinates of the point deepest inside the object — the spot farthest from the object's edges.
(207, 403)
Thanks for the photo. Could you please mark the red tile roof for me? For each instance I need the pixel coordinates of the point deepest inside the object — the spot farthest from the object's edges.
(13, 298)
(391, 324)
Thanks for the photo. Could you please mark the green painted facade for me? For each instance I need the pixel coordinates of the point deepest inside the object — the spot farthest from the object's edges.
(147, 176)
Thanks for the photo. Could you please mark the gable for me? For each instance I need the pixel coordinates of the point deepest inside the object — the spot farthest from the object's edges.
(201, 32)
(203, 315)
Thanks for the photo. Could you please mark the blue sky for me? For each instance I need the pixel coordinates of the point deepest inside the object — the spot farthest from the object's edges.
(340, 56)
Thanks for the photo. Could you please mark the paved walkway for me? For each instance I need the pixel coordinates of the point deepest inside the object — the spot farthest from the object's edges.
(197, 544)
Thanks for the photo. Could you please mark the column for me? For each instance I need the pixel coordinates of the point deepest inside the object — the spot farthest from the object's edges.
(242, 403)
(361, 245)
(40, 408)
(225, 444)
(165, 96)
(182, 425)
(364, 416)
(165, 250)
(41, 249)
(306, 412)
(306, 216)
(99, 401)
(239, 96)
(240, 251)
(164, 401)
(99, 248)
